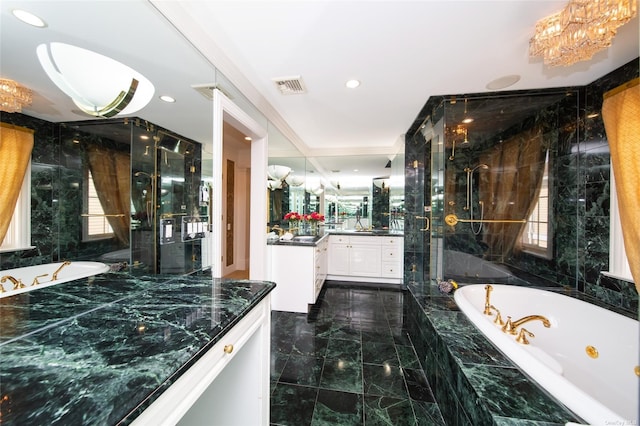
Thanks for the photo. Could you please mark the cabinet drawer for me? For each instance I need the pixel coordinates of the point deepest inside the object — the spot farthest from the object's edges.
(364, 240)
(391, 241)
(338, 239)
(391, 269)
(390, 254)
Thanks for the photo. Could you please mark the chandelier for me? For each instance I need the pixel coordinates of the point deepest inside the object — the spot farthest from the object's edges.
(13, 96)
(581, 29)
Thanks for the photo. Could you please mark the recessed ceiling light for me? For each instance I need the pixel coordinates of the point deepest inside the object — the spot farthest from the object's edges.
(247, 138)
(167, 98)
(28, 18)
(467, 120)
(356, 170)
(503, 82)
(352, 84)
(144, 137)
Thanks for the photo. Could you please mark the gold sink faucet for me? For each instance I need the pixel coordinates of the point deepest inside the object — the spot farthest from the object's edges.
(55, 274)
(511, 326)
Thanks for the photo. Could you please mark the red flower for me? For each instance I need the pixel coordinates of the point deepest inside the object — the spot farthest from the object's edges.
(293, 216)
(314, 217)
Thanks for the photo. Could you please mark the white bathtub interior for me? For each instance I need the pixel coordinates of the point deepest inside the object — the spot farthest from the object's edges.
(599, 390)
(42, 275)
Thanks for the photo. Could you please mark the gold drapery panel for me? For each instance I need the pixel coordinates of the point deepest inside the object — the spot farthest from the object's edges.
(621, 115)
(16, 144)
(510, 192)
(111, 171)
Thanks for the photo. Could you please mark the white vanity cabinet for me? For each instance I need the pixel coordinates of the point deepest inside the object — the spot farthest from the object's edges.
(228, 385)
(366, 258)
(299, 272)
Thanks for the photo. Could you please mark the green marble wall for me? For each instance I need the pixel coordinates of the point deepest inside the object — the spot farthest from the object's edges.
(57, 179)
(579, 184)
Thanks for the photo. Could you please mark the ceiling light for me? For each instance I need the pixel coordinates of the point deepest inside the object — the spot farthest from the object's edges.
(167, 98)
(580, 30)
(467, 120)
(13, 96)
(352, 84)
(247, 138)
(98, 85)
(29, 18)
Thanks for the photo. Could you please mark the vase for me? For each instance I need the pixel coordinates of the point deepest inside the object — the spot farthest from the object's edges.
(314, 228)
(293, 226)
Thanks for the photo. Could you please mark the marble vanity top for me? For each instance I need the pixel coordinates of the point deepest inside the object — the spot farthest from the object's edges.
(100, 350)
(298, 240)
(374, 232)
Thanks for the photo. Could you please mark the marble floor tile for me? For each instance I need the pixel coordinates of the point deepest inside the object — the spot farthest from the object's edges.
(349, 361)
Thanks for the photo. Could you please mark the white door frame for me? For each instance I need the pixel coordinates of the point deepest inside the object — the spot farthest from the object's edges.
(224, 110)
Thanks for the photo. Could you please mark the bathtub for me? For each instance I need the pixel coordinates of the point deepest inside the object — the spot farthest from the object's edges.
(602, 389)
(44, 273)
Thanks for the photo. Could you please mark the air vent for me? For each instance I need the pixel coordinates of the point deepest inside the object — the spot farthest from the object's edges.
(206, 90)
(290, 85)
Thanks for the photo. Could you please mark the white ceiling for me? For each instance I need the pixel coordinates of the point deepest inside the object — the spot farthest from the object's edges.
(403, 52)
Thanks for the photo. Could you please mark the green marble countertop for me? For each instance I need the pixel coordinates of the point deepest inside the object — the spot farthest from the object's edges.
(99, 350)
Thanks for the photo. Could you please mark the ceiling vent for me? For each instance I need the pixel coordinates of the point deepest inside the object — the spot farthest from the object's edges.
(290, 85)
(206, 90)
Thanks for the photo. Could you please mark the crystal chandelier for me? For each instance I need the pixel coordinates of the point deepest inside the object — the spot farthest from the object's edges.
(581, 29)
(13, 96)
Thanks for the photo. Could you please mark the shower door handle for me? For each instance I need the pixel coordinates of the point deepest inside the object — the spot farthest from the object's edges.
(426, 223)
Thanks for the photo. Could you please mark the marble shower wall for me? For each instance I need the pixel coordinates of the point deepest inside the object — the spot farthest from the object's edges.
(579, 187)
(57, 178)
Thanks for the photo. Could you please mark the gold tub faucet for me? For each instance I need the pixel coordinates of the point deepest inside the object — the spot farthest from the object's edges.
(17, 283)
(55, 274)
(511, 326)
(487, 296)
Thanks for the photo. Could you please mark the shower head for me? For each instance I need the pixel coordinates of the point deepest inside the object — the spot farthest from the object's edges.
(479, 166)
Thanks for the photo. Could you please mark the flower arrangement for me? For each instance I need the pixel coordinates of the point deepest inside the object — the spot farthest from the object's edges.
(293, 216)
(314, 217)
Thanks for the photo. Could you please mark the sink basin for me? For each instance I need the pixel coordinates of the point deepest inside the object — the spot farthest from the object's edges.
(305, 238)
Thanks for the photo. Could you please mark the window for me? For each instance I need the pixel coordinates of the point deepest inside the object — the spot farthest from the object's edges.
(19, 232)
(96, 226)
(536, 237)
(618, 262)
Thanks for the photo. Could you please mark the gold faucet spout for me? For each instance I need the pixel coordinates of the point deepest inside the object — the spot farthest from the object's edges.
(17, 283)
(55, 274)
(512, 326)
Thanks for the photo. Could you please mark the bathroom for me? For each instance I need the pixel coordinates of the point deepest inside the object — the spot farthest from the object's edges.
(584, 212)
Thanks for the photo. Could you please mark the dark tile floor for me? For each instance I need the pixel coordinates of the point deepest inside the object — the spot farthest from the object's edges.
(348, 362)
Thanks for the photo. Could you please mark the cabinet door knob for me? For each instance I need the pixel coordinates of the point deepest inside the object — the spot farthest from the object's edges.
(228, 349)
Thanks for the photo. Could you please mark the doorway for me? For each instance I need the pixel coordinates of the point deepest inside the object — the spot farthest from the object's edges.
(225, 112)
(236, 173)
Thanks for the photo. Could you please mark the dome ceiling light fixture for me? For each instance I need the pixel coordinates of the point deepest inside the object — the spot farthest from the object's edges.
(98, 85)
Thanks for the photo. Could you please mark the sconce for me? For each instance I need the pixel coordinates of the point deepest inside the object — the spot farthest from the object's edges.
(294, 180)
(276, 175)
(98, 85)
(276, 172)
(382, 183)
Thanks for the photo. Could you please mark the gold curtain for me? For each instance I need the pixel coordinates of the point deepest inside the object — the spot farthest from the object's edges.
(621, 115)
(16, 144)
(516, 168)
(112, 179)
